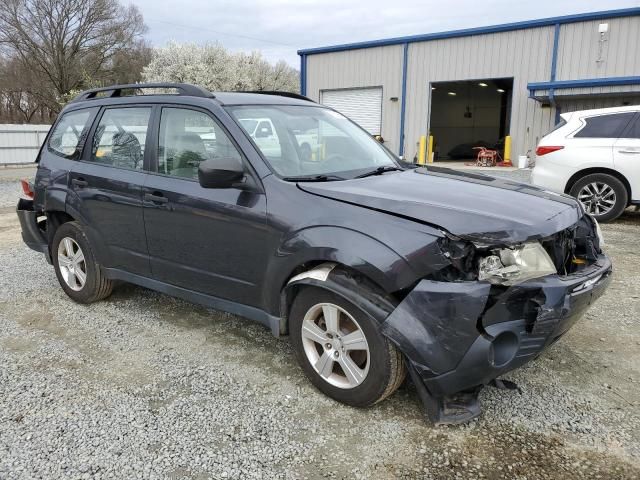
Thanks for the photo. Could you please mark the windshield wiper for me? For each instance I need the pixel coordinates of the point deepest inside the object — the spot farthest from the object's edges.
(378, 171)
(313, 178)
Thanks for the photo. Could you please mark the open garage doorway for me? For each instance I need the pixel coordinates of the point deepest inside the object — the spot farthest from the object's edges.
(468, 114)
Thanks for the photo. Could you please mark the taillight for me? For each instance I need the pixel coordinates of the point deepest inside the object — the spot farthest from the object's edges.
(27, 188)
(543, 150)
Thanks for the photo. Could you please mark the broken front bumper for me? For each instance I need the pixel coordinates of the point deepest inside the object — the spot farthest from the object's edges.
(459, 336)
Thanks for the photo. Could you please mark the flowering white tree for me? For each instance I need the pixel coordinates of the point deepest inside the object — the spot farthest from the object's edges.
(215, 68)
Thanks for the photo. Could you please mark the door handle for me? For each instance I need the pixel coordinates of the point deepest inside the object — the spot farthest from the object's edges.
(630, 152)
(155, 198)
(79, 182)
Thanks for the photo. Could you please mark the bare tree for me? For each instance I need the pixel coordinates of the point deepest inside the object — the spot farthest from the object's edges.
(68, 44)
(127, 64)
(18, 103)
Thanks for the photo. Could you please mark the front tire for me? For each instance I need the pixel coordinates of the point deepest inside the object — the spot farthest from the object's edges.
(341, 350)
(78, 272)
(603, 196)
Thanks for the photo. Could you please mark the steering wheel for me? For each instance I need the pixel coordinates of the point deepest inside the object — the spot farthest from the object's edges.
(335, 161)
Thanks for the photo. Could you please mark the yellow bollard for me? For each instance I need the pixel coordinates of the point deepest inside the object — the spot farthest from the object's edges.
(507, 152)
(422, 150)
(430, 150)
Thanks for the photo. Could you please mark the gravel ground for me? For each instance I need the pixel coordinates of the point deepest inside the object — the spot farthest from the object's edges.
(9, 192)
(146, 386)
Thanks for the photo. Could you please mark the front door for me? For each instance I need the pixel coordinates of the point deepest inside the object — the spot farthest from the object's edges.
(206, 240)
(108, 185)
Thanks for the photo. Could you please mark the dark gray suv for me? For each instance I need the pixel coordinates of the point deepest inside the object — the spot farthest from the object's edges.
(275, 208)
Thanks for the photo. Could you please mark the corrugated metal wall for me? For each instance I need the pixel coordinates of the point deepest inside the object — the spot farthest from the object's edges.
(525, 55)
(582, 55)
(21, 143)
(371, 67)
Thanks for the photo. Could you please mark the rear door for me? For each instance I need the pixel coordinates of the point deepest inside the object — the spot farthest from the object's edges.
(209, 240)
(108, 182)
(626, 156)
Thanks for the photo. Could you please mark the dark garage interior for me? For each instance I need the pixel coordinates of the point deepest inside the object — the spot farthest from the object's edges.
(467, 114)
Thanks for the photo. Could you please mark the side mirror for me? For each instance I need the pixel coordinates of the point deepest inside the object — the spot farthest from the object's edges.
(220, 172)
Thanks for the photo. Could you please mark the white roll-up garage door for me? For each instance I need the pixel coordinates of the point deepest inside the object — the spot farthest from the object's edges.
(362, 105)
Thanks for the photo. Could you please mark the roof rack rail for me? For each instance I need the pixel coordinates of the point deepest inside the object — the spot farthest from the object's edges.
(116, 90)
(283, 94)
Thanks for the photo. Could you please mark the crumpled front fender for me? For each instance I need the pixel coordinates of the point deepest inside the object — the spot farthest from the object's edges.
(437, 321)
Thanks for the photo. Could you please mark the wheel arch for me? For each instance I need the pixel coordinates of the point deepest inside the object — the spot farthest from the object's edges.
(608, 171)
(345, 282)
(55, 218)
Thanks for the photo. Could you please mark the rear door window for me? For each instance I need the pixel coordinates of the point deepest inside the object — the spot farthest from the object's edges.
(605, 126)
(120, 137)
(69, 133)
(633, 131)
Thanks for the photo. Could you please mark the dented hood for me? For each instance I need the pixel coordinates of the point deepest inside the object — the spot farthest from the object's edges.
(476, 207)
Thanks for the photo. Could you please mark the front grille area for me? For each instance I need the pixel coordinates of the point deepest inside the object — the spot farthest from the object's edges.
(574, 248)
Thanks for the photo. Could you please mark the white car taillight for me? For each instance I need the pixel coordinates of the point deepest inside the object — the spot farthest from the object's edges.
(543, 150)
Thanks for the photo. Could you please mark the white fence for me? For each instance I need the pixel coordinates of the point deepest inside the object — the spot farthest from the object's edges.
(21, 143)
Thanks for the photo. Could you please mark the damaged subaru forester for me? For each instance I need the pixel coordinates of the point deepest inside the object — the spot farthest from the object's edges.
(272, 207)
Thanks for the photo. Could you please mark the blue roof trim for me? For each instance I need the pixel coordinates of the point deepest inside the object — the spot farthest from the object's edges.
(588, 82)
(507, 27)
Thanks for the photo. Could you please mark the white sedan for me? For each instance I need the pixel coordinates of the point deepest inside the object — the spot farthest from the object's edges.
(594, 155)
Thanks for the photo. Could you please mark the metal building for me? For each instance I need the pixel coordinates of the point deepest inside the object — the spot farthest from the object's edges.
(480, 85)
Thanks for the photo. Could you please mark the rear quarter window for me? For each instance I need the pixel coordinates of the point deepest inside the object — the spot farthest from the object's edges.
(605, 126)
(633, 131)
(558, 125)
(69, 133)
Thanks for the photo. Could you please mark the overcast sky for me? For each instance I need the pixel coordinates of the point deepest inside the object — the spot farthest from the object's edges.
(279, 28)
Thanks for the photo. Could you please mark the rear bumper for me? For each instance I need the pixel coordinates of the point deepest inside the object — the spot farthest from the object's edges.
(551, 176)
(460, 336)
(32, 235)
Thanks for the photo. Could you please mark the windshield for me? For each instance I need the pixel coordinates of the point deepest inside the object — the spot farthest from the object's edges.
(248, 125)
(301, 141)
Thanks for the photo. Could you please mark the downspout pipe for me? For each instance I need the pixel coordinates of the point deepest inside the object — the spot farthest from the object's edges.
(554, 67)
(403, 104)
(303, 74)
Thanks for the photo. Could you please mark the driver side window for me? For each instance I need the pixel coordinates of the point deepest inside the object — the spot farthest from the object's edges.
(188, 137)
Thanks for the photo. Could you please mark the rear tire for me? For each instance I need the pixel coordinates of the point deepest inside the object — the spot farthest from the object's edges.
(78, 272)
(380, 364)
(603, 196)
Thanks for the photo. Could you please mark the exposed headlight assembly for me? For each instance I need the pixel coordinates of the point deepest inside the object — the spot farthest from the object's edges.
(508, 266)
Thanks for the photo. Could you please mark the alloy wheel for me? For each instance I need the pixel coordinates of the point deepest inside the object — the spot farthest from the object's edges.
(71, 262)
(598, 198)
(335, 345)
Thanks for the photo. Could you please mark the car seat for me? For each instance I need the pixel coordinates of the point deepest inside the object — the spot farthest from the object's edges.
(126, 151)
(189, 152)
